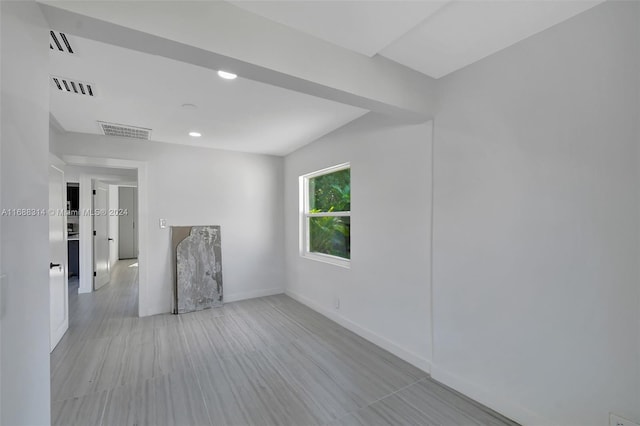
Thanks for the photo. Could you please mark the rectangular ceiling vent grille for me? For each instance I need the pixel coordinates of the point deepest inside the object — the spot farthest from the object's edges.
(59, 42)
(74, 86)
(124, 131)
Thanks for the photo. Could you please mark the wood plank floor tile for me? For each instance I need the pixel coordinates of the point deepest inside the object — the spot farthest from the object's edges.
(171, 400)
(85, 410)
(78, 376)
(449, 406)
(177, 399)
(313, 385)
(390, 411)
(225, 402)
(269, 361)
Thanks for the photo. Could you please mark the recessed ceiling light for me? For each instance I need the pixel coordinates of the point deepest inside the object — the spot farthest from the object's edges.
(227, 75)
(189, 106)
(195, 134)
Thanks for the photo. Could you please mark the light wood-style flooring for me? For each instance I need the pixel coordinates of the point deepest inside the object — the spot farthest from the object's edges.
(266, 361)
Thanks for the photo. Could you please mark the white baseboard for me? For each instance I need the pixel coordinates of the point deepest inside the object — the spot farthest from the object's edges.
(83, 290)
(402, 353)
(499, 403)
(234, 297)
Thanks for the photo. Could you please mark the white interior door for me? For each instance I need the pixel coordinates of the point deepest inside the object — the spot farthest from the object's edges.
(128, 234)
(100, 234)
(58, 293)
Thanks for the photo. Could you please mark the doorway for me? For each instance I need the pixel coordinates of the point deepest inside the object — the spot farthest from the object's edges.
(93, 222)
(129, 173)
(73, 229)
(128, 235)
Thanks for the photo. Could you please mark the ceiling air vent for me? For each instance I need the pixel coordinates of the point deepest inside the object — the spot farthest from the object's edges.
(74, 86)
(58, 41)
(124, 131)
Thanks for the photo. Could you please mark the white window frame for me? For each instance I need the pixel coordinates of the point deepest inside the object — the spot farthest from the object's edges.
(305, 216)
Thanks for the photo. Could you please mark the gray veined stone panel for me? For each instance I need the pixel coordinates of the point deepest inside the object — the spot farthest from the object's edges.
(198, 268)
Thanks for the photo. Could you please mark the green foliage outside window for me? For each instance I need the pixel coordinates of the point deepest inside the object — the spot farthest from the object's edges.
(330, 193)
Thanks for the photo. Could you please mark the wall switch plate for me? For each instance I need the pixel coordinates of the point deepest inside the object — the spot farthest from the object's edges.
(619, 421)
(163, 223)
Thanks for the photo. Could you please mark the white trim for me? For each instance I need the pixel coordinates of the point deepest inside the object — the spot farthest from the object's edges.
(329, 214)
(301, 218)
(500, 403)
(327, 170)
(54, 160)
(234, 297)
(402, 353)
(305, 216)
(114, 163)
(432, 329)
(143, 246)
(85, 243)
(326, 258)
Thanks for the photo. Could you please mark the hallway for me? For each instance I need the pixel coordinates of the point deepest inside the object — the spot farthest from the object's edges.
(266, 361)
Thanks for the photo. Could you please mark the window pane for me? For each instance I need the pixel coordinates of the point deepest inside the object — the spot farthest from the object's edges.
(330, 192)
(330, 235)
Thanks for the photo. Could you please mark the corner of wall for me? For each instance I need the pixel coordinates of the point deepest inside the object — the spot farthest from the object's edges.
(501, 403)
(402, 353)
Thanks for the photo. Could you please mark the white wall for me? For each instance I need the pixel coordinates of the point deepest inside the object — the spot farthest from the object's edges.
(24, 324)
(536, 220)
(385, 296)
(198, 186)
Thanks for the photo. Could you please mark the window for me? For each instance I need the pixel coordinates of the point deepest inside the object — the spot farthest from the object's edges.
(326, 215)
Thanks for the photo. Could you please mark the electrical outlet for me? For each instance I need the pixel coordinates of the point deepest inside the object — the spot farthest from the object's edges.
(163, 223)
(619, 421)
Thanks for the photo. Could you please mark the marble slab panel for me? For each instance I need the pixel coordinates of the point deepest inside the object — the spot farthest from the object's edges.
(198, 257)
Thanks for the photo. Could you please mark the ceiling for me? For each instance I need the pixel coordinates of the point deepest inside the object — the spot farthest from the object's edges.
(144, 90)
(363, 26)
(432, 37)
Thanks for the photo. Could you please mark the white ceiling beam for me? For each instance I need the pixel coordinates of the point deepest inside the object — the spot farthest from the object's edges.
(217, 35)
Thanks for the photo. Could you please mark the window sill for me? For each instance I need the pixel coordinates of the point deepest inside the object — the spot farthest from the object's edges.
(326, 258)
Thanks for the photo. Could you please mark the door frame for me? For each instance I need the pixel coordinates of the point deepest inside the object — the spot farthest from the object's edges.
(143, 221)
(65, 262)
(94, 189)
